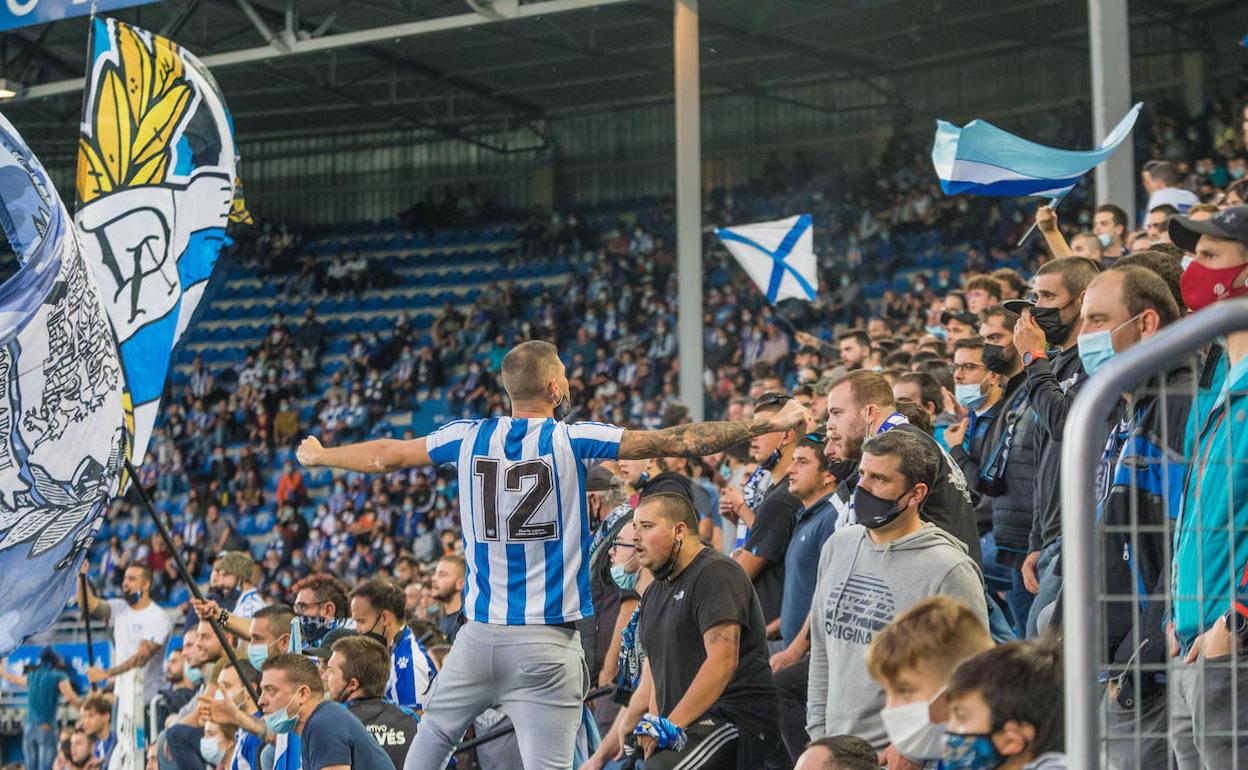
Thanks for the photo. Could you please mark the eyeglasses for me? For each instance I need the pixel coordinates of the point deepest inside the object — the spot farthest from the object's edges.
(302, 608)
(617, 543)
(966, 368)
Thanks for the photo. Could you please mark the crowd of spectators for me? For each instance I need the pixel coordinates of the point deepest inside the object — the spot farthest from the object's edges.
(897, 552)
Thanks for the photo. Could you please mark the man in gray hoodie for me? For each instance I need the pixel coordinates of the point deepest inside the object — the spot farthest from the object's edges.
(869, 573)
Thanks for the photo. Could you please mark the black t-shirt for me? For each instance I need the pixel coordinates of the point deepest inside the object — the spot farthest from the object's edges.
(774, 520)
(393, 727)
(334, 736)
(450, 624)
(674, 615)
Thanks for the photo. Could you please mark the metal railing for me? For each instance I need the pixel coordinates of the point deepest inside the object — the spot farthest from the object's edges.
(1084, 440)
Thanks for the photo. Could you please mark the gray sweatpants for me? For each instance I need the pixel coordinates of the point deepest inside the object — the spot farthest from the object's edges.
(1209, 714)
(535, 675)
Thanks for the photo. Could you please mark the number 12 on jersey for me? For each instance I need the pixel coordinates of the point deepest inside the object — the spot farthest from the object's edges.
(532, 481)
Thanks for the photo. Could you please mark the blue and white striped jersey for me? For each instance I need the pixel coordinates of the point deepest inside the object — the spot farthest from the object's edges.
(411, 672)
(525, 519)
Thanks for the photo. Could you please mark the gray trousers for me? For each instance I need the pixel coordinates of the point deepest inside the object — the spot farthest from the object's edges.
(535, 675)
(1135, 739)
(1209, 714)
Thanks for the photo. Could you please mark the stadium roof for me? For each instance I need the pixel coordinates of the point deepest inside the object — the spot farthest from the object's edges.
(470, 68)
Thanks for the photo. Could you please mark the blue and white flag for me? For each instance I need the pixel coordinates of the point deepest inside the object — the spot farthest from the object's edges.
(778, 255)
(62, 437)
(157, 181)
(981, 159)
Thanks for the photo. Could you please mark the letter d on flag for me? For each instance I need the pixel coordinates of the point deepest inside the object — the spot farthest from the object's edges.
(777, 255)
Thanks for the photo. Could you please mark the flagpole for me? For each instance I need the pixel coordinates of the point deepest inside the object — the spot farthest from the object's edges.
(86, 622)
(1053, 205)
(186, 578)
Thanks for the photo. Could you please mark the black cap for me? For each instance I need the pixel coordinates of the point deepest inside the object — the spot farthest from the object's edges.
(1017, 306)
(599, 479)
(963, 316)
(326, 647)
(1230, 223)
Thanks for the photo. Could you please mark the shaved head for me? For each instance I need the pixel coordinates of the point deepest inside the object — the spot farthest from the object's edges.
(528, 369)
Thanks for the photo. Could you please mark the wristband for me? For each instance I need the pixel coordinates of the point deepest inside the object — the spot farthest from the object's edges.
(665, 734)
(223, 618)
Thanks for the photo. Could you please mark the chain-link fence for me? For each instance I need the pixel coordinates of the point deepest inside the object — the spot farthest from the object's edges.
(1154, 473)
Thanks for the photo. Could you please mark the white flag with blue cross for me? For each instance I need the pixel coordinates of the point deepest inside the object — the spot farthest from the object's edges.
(778, 255)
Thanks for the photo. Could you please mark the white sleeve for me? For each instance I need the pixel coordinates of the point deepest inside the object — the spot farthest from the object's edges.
(444, 443)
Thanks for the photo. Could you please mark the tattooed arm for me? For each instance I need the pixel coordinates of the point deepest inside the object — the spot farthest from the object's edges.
(722, 642)
(704, 438)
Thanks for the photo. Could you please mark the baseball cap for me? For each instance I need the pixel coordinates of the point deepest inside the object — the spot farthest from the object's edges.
(326, 647)
(599, 479)
(1230, 223)
(1017, 306)
(964, 316)
(668, 482)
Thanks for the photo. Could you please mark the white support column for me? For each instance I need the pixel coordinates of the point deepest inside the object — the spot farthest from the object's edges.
(689, 206)
(1109, 40)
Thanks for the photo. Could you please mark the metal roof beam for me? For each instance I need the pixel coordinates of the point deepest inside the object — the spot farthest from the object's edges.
(388, 33)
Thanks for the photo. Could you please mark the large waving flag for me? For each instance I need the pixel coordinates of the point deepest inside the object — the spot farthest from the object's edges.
(981, 159)
(62, 438)
(157, 184)
(89, 322)
(778, 255)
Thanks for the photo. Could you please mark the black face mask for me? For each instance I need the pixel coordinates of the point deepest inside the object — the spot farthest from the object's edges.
(874, 512)
(563, 407)
(842, 470)
(996, 359)
(664, 571)
(1049, 319)
(225, 597)
(372, 633)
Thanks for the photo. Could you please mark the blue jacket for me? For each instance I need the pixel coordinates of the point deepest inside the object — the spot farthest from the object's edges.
(1208, 576)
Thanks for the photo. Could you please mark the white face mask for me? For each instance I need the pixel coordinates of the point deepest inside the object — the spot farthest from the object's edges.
(912, 733)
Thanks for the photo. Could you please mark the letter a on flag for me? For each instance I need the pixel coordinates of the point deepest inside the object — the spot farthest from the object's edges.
(777, 255)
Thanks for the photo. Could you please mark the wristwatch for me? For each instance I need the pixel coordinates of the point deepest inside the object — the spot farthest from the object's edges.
(1034, 355)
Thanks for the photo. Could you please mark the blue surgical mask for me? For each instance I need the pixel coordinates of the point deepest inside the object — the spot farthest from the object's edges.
(193, 675)
(969, 395)
(1096, 348)
(280, 721)
(937, 331)
(1105, 239)
(210, 749)
(257, 654)
(625, 580)
(970, 751)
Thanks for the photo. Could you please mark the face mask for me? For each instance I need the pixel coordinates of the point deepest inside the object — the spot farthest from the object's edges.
(1187, 261)
(257, 654)
(211, 751)
(1096, 348)
(134, 597)
(937, 331)
(842, 469)
(625, 580)
(875, 512)
(562, 407)
(226, 597)
(280, 721)
(665, 570)
(1049, 319)
(1202, 286)
(1105, 239)
(912, 732)
(771, 461)
(193, 675)
(1237, 173)
(969, 395)
(995, 358)
(970, 751)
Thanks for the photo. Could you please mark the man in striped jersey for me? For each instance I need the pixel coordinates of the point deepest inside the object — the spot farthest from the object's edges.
(526, 536)
(378, 610)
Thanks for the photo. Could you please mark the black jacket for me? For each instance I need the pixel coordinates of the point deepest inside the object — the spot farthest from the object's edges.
(1052, 387)
(985, 434)
(1012, 487)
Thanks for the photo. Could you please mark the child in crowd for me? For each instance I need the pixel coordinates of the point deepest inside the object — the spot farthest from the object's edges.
(1005, 709)
(912, 659)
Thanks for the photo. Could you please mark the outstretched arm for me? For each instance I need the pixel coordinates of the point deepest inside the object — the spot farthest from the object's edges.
(704, 438)
(379, 456)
